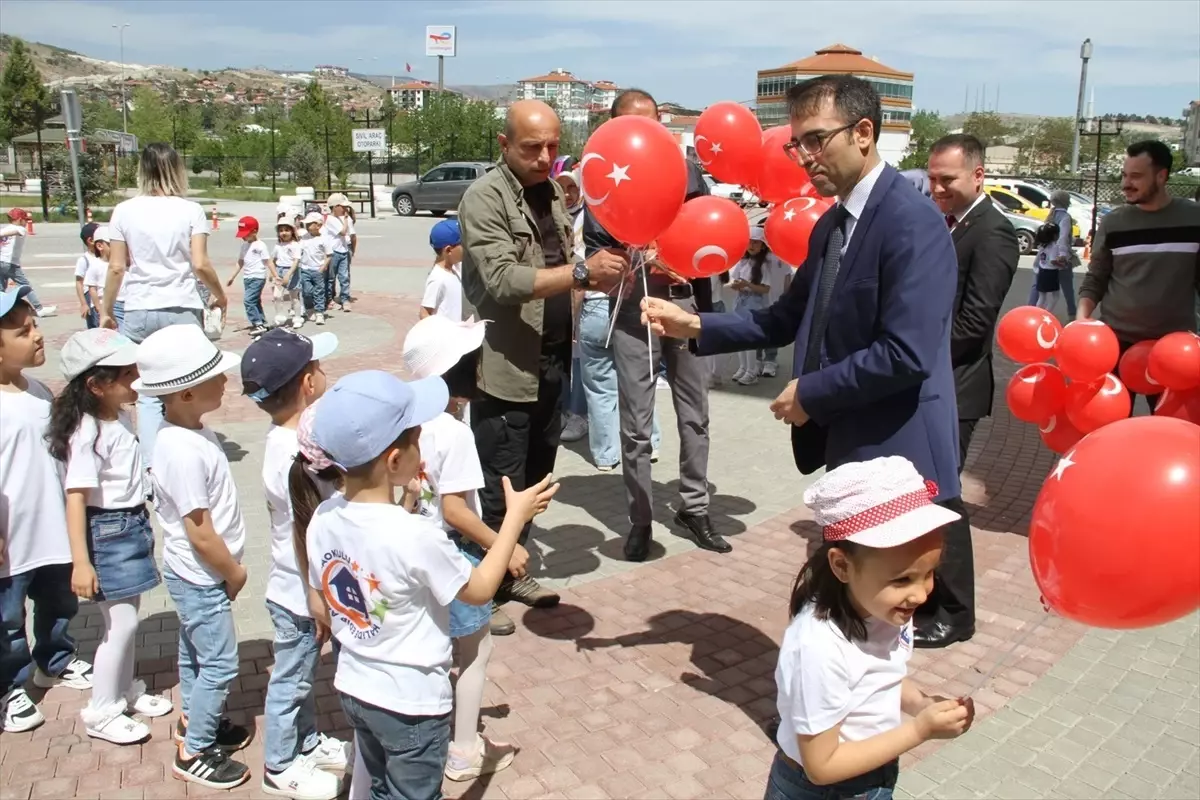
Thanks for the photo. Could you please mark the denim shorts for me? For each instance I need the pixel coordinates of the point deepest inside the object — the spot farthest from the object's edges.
(787, 781)
(121, 545)
(465, 618)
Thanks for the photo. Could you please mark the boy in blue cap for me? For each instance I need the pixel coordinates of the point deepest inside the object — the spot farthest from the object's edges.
(443, 287)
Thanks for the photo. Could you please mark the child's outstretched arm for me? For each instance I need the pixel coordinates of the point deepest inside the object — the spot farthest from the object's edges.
(521, 508)
(460, 516)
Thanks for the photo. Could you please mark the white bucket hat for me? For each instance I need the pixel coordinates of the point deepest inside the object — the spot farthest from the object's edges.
(179, 357)
(881, 503)
(314, 216)
(435, 344)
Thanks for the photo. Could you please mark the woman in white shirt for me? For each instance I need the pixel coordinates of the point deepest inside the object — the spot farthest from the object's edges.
(158, 250)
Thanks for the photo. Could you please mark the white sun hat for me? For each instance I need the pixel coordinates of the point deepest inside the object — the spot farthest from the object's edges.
(435, 344)
(179, 357)
(881, 503)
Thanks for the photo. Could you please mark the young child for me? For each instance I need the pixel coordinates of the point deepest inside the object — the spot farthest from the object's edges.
(255, 263)
(112, 543)
(12, 241)
(443, 287)
(287, 284)
(97, 273)
(197, 506)
(749, 278)
(35, 554)
(315, 254)
(338, 228)
(282, 373)
(841, 675)
(388, 594)
(88, 311)
(451, 478)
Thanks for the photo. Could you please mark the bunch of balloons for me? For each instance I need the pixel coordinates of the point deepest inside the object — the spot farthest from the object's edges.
(1170, 368)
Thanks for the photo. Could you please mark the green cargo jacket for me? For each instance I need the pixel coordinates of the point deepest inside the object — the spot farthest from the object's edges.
(502, 251)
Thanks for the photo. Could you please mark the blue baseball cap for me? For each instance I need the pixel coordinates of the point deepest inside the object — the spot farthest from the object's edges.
(9, 299)
(445, 234)
(365, 413)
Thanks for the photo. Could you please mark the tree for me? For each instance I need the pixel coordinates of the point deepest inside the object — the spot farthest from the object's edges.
(987, 127)
(25, 103)
(304, 160)
(927, 128)
(1046, 146)
(100, 116)
(149, 120)
(94, 180)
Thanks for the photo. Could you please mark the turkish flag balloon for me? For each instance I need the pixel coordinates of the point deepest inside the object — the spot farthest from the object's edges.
(1027, 334)
(728, 142)
(790, 224)
(1036, 392)
(1059, 434)
(1175, 361)
(1113, 537)
(1181, 405)
(1087, 350)
(633, 178)
(1091, 406)
(1133, 369)
(779, 176)
(708, 236)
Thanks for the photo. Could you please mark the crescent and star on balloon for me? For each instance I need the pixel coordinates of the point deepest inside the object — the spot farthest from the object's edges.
(617, 176)
(1063, 465)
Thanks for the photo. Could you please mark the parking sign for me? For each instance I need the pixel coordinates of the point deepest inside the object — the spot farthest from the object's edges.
(368, 140)
(440, 40)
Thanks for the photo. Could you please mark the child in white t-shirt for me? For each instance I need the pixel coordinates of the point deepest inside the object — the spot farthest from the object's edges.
(287, 275)
(388, 594)
(316, 252)
(842, 665)
(451, 479)
(88, 303)
(254, 262)
(443, 287)
(112, 543)
(751, 279)
(196, 503)
(35, 554)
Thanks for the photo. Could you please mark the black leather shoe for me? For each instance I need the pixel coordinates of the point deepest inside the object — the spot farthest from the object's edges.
(701, 529)
(637, 544)
(940, 634)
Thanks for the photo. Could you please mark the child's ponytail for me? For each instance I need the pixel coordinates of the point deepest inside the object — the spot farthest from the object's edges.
(829, 596)
(306, 496)
(72, 403)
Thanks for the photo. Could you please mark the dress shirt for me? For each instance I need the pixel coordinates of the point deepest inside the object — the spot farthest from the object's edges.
(856, 201)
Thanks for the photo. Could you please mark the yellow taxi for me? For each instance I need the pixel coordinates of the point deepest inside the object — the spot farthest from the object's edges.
(1015, 204)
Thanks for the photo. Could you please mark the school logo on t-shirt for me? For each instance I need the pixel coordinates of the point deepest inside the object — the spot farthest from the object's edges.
(906, 637)
(352, 593)
(428, 499)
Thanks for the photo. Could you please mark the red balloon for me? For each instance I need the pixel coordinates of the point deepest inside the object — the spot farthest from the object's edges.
(1091, 406)
(779, 176)
(1133, 369)
(1175, 361)
(728, 142)
(1113, 537)
(1036, 392)
(1181, 405)
(633, 178)
(1059, 434)
(708, 236)
(790, 224)
(1027, 334)
(1087, 350)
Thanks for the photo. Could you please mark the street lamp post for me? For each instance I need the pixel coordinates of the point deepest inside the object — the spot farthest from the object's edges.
(1081, 130)
(124, 112)
(1085, 54)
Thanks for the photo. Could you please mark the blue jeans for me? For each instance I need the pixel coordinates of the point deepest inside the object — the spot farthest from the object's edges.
(252, 300)
(291, 706)
(92, 320)
(573, 398)
(598, 376)
(208, 656)
(137, 325)
(312, 289)
(119, 315)
(14, 273)
(1066, 285)
(48, 588)
(787, 781)
(339, 271)
(404, 755)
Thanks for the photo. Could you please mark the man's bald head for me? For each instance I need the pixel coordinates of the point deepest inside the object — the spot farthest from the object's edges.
(529, 143)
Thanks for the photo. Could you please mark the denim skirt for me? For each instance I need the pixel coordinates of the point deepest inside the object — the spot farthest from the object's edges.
(121, 545)
(466, 619)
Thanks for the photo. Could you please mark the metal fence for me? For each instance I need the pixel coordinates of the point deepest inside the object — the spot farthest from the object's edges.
(1106, 190)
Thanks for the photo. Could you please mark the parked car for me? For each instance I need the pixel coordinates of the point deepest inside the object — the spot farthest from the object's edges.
(1025, 226)
(1038, 193)
(438, 190)
(738, 194)
(1014, 203)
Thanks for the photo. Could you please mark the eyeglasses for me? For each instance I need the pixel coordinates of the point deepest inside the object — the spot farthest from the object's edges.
(812, 144)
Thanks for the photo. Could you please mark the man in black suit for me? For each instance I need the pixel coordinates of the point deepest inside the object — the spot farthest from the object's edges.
(986, 246)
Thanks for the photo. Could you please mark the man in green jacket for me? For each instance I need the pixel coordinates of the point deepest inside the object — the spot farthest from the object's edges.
(518, 272)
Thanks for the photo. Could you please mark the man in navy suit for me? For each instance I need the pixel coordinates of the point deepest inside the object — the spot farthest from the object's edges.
(869, 312)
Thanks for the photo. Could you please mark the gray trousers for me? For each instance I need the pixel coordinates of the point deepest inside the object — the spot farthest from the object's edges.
(687, 376)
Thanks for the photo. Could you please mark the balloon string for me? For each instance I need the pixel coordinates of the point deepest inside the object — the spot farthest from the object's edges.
(634, 253)
(1004, 660)
(646, 292)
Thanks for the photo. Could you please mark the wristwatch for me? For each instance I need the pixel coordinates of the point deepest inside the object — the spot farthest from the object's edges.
(581, 274)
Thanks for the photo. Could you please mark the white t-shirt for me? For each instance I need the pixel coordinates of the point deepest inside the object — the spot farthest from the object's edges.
(107, 462)
(338, 230)
(284, 586)
(158, 231)
(451, 466)
(33, 511)
(254, 258)
(388, 577)
(313, 250)
(96, 275)
(81, 265)
(191, 472)
(12, 242)
(286, 255)
(443, 292)
(823, 679)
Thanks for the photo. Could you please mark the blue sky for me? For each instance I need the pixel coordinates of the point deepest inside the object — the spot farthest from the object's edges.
(694, 52)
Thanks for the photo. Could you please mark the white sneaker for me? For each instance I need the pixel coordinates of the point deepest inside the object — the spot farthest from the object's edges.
(737, 376)
(489, 757)
(77, 675)
(302, 781)
(146, 704)
(331, 753)
(118, 728)
(320, 319)
(747, 379)
(281, 319)
(769, 369)
(20, 712)
(297, 322)
(48, 311)
(574, 428)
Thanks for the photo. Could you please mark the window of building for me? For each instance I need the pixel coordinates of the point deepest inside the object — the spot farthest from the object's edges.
(775, 85)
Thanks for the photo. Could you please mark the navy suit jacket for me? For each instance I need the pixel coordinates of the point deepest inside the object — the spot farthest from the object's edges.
(885, 385)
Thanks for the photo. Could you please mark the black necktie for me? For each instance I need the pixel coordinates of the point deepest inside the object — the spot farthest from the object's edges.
(829, 272)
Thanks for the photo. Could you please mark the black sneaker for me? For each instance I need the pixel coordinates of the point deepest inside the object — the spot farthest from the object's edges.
(230, 737)
(212, 768)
